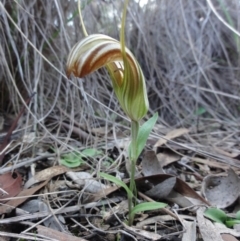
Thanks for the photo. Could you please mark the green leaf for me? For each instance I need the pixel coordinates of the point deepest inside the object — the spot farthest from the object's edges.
(230, 223)
(200, 111)
(143, 134)
(74, 159)
(117, 182)
(71, 160)
(68, 162)
(107, 162)
(146, 206)
(91, 152)
(238, 215)
(216, 215)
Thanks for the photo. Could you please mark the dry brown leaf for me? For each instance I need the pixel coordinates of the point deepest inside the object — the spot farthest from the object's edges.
(143, 233)
(228, 237)
(225, 153)
(171, 135)
(191, 230)
(20, 198)
(165, 158)
(180, 186)
(221, 191)
(85, 179)
(163, 189)
(10, 185)
(150, 164)
(212, 163)
(180, 200)
(222, 229)
(46, 174)
(56, 235)
(4, 238)
(97, 196)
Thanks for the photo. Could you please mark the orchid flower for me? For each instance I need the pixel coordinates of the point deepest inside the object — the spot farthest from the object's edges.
(96, 51)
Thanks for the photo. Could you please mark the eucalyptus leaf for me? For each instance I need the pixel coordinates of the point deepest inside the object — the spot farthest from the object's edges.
(216, 215)
(146, 206)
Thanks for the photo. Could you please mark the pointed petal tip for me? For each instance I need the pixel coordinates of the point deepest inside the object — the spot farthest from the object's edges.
(68, 73)
(71, 71)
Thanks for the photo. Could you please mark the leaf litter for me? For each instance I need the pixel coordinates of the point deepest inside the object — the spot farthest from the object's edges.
(173, 173)
(154, 183)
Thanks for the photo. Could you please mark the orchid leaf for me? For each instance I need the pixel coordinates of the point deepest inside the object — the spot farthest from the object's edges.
(147, 206)
(143, 134)
(117, 182)
(216, 215)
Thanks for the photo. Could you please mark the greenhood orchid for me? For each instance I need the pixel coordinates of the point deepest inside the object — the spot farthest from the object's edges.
(96, 51)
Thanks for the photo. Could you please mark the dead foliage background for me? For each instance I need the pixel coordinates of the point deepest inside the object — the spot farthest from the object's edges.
(189, 57)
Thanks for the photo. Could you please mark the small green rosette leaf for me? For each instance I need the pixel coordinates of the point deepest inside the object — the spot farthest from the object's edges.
(216, 215)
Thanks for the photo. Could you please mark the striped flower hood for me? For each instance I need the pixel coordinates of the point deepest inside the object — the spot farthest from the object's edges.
(96, 51)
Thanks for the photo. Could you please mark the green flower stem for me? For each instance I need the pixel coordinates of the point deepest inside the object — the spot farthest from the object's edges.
(133, 160)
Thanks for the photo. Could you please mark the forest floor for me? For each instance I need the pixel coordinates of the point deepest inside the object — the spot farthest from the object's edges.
(57, 145)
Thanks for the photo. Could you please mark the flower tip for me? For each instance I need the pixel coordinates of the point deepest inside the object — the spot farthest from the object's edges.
(70, 70)
(68, 73)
